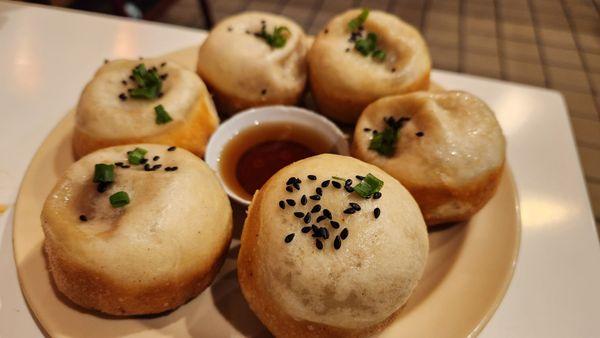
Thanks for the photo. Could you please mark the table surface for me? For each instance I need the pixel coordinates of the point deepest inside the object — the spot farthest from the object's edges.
(47, 56)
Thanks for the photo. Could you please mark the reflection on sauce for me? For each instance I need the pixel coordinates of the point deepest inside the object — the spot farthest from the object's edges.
(258, 152)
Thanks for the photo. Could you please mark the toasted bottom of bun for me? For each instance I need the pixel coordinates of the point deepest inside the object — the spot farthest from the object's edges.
(192, 134)
(347, 108)
(280, 323)
(97, 291)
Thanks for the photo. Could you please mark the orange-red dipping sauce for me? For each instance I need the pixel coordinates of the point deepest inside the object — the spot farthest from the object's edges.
(258, 152)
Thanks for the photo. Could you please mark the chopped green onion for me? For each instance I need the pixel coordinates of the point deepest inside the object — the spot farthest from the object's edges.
(135, 156)
(162, 116)
(104, 173)
(385, 142)
(378, 55)
(119, 199)
(337, 178)
(368, 186)
(355, 23)
(367, 45)
(276, 40)
(149, 83)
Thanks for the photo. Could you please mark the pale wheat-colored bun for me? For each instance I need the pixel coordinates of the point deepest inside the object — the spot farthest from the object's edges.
(299, 290)
(453, 169)
(343, 81)
(149, 256)
(104, 120)
(243, 71)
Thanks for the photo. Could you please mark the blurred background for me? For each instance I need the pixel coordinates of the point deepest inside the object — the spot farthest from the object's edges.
(545, 43)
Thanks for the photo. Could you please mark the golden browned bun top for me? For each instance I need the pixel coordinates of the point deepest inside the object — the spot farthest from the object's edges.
(242, 64)
(102, 113)
(338, 63)
(446, 138)
(381, 253)
(172, 226)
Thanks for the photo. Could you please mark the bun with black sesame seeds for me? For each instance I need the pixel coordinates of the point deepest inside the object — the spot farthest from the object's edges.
(355, 61)
(148, 241)
(149, 101)
(446, 148)
(254, 59)
(343, 275)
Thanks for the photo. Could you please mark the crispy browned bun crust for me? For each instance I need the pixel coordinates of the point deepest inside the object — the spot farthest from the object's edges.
(192, 134)
(96, 291)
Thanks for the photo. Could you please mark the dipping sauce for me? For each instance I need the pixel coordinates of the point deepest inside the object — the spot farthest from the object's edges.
(258, 152)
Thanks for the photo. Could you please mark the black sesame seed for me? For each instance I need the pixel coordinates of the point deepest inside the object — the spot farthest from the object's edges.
(377, 212)
(124, 83)
(247, 32)
(348, 183)
(229, 29)
(299, 214)
(375, 132)
(164, 76)
(336, 184)
(393, 70)
(317, 233)
(144, 161)
(337, 243)
(290, 180)
(306, 218)
(125, 166)
(147, 167)
(119, 164)
(105, 61)
(312, 177)
(289, 238)
(319, 191)
(83, 218)
(376, 195)
(289, 188)
(367, 130)
(102, 186)
(327, 213)
(420, 134)
(171, 148)
(315, 197)
(320, 218)
(347, 50)
(131, 78)
(316, 208)
(349, 211)
(122, 97)
(156, 166)
(335, 224)
(303, 200)
(174, 168)
(306, 229)
(161, 94)
(163, 64)
(355, 206)
(344, 233)
(324, 233)
(263, 92)
(325, 184)
(282, 204)
(290, 202)
(296, 185)
(314, 228)
(319, 244)
(349, 189)
(156, 158)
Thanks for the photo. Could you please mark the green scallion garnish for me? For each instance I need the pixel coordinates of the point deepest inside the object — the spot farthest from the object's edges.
(378, 55)
(385, 142)
(276, 40)
(368, 186)
(162, 116)
(104, 173)
(148, 81)
(119, 199)
(135, 156)
(357, 22)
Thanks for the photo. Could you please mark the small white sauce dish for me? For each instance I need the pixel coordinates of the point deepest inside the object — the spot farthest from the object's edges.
(254, 117)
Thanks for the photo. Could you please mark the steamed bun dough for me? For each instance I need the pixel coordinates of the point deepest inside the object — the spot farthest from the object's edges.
(453, 169)
(343, 81)
(149, 256)
(299, 290)
(103, 119)
(243, 70)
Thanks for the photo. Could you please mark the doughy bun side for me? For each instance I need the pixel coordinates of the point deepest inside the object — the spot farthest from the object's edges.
(343, 81)
(299, 290)
(243, 71)
(152, 255)
(103, 119)
(449, 155)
